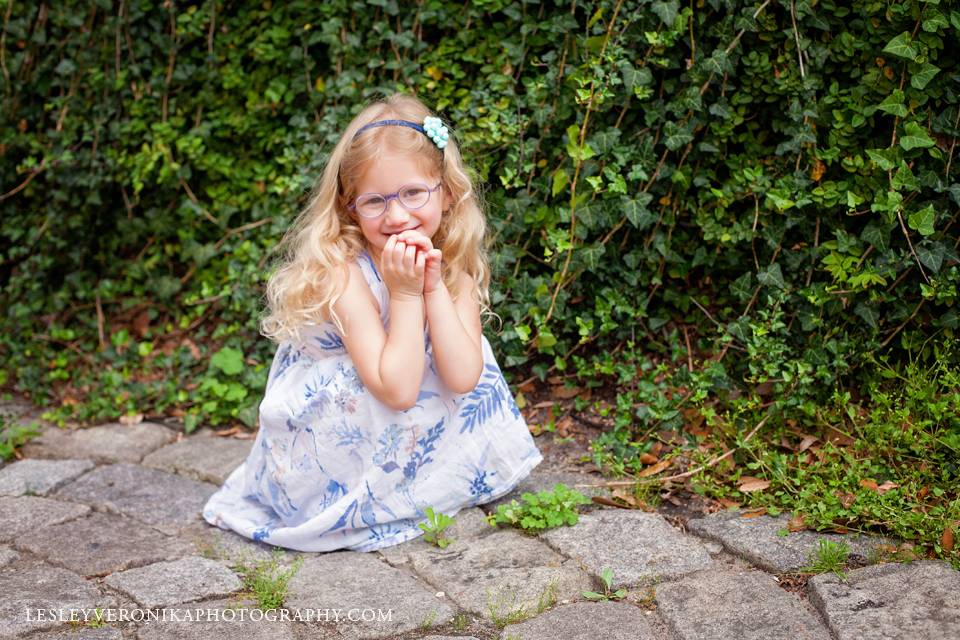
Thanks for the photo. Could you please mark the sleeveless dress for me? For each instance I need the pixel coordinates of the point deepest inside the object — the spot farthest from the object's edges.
(334, 468)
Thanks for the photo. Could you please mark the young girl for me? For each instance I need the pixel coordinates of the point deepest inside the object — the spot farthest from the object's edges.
(384, 397)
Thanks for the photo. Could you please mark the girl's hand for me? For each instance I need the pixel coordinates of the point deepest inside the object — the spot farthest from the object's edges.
(402, 267)
(432, 273)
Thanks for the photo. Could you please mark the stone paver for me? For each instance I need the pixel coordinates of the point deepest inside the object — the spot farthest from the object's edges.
(29, 590)
(7, 555)
(106, 443)
(469, 524)
(585, 621)
(203, 456)
(365, 597)
(30, 513)
(916, 601)
(165, 500)
(82, 633)
(755, 539)
(170, 583)
(100, 543)
(639, 547)
(218, 619)
(747, 605)
(498, 573)
(39, 477)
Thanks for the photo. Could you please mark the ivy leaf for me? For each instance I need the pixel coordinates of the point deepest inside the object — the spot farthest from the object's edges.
(228, 360)
(932, 255)
(877, 235)
(634, 77)
(901, 47)
(920, 79)
(868, 313)
(922, 220)
(666, 10)
(675, 136)
(904, 179)
(560, 180)
(635, 209)
(742, 287)
(772, 276)
(883, 157)
(915, 136)
(934, 21)
(893, 104)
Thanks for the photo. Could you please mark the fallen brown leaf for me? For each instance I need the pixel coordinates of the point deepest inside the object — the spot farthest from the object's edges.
(227, 433)
(806, 443)
(869, 484)
(647, 458)
(796, 524)
(886, 486)
(749, 483)
(754, 513)
(946, 540)
(129, 420)
(565, 393)
(544, 404)
(655, 469)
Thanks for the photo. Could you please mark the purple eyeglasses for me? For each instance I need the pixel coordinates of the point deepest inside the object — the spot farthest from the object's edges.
(411, 196)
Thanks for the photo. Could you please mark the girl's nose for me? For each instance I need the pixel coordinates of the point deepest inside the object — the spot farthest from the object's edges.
(396, 213)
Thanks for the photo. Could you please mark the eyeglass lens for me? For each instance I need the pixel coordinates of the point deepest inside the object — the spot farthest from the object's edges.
(411, 196)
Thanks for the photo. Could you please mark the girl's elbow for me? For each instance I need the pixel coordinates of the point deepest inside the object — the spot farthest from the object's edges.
(467, 383)
(401, 402)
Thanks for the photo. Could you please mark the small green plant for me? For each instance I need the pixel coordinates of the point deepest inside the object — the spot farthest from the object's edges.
(460, 621)
(504, 610)
(542, 510)
(266, 581)
(434, 526)
(829, 556)
(429, 619)
(606, 576)
(97, 621)
(13, 435)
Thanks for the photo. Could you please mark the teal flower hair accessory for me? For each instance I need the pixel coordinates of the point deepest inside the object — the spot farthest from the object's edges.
(436, 131)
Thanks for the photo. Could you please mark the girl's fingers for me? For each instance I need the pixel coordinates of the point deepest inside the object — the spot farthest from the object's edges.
(420, 264)
(409, 257)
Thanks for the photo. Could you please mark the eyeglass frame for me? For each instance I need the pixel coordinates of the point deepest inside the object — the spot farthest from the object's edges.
(394, 196)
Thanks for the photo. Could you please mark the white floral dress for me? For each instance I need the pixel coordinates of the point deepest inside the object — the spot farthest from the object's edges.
(334, 468)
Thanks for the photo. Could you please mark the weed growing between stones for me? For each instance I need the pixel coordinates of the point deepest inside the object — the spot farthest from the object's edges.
(503, 608)
(460, 621)
(829, 556)
(606, 577)
(434, 526)
(13, 435)
(429, 619)
(265, 581)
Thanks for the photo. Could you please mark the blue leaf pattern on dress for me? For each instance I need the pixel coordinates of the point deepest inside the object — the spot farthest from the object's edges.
(330, 341)
(486, 399)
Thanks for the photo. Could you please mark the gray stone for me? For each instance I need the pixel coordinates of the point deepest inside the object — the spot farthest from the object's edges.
(916, 601)
(165, 500)
(217, 619)
(170, 583)
(391, 601)
(755, 539)
(100, 544)
(639, 547)
(202, 456)
(497, 574)
(748, 605)
(7, 555)
(39, 477)
(82, 633)
(230, 548)
(30, 513)
(584, 621)
(30, 590)
(450, 638)
(544, 480)
(106, 443)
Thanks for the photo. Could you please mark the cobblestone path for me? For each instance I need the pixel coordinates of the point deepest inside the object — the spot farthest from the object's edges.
(109, 517)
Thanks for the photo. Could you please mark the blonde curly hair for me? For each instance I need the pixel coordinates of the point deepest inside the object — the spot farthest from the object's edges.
(315, 252)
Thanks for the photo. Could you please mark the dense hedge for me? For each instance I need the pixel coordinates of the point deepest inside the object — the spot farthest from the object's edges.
(777, 178)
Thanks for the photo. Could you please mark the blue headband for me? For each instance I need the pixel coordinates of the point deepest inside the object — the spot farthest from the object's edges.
(432, 127)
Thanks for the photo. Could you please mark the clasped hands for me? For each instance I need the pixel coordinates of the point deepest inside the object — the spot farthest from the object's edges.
(409, 265)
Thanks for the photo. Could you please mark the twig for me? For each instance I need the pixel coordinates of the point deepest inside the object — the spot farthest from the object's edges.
(100, 332)
(796, 35)
(906, 234)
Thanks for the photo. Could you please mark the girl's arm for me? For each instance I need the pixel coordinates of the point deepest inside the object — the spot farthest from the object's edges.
(455, 334)
(389, 365)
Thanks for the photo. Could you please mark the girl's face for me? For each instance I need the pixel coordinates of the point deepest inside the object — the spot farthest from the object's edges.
(389, 176)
